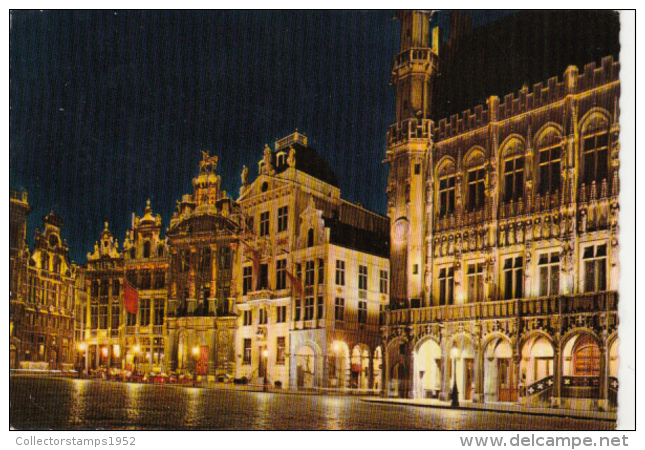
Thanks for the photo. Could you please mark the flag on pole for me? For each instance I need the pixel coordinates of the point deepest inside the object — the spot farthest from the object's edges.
(130, 298)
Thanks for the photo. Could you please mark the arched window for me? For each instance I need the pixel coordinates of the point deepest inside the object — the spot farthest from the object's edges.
(44, 261)
(310, 238)
(549, 156)
(475, 178)
(446, 192)
(514, 171)
(133, 253)
(594, 151)
(146, 249)
(160, 251)
(56, 264)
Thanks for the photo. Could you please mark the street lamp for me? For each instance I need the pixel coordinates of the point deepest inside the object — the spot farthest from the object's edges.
(265, 353)
(454, 395)
(195, 356)
(82, 347)
(136, 349)
(336, 347)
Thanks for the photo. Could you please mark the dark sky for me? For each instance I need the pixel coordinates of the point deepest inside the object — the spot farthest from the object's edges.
(109, 108)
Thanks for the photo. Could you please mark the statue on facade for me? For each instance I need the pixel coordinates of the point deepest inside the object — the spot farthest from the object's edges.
(291, 159)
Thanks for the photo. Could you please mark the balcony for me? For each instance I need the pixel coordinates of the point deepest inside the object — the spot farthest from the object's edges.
(409, 130)
(544, 306)
(413, 57)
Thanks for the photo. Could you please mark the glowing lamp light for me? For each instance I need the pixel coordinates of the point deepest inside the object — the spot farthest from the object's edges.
(195, 351)
(82, 346)
(336, 346)
(117, 351)
(265, 353)
(136, 348)
(104, 352)
(454, 352)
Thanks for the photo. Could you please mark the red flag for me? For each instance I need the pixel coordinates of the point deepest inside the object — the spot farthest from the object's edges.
(130, 298)
(295, 283)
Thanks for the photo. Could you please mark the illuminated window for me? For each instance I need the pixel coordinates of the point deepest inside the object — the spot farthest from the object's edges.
(247, 352)
(595, 148)
(144, 310)
(116, 317)
(283, 215)
(281, 348)
(446, 195)
(549, 268)
(339, 309)
(513, 178)
(159, 312)
(513, 273)
(264, 224)
(309, 308)
(446, 286)
(362, 311)
(594, 258)
(281, 274)
(475, 277)
(549, 173)
(362, 277)
(383, 282)
(340, 273)
(475, 188)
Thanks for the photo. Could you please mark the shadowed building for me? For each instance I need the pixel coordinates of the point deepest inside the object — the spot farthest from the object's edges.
(504, 218)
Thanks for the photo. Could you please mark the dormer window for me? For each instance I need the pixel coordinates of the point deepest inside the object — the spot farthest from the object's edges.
(265, 186)
(310, 238)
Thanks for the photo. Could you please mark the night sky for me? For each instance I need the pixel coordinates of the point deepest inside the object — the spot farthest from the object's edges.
(109, 108)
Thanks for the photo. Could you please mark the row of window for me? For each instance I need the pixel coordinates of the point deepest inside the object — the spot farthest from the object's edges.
(263, 319)
(265, 221)
(314, 273)
(594, 277)
(50, 293)
(146, 251)
(595, 167)
(104, 317)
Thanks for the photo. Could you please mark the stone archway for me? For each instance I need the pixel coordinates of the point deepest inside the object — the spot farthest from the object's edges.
(581, 370)
(427, 370)
(377, 369)
(500, 371)
(359, 368)
(399, 379)
(537, 360)
(461, 366)
(305, 367)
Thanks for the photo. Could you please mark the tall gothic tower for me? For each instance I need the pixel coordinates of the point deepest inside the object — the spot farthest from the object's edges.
(409, 142)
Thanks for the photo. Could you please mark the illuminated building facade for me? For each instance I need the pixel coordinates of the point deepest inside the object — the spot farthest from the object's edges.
(504, 226)
(145, 255)
(200, 320)
(43, 309)
(104, 313)
(311, 276)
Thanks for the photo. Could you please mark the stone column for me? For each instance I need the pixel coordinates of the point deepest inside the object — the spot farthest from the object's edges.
(447, 370)
(411, 374)
(478, 395)
(557, 375)
(385, 372)
(603, 388)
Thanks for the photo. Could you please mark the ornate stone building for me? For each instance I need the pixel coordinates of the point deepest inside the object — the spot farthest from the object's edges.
(43, 307)
(102, 346)
(200, 320)
(311, 276)
(19, 210)
(145, 256)
(504, 225)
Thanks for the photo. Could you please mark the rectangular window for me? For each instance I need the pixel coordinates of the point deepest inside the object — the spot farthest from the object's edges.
(116, 317)
(475, 189)
(146, 280)
(513, 277)
(321, 271)
(446, 196)
(595, 268)
(309, 308)
(475, 282)
(594, 154)
(250, 225)
(263, 280)
(281, 274)
(339, 309)
(513, 179)
(283, 214)
(281, 312)
(160, 279)
(549, 269)
(103, 317)
(362, 277)
(417, 169)
(381, 314)
(144, 310)
(383, 282)
(362, 312)
(159, 308)
(247, 280)
(446, 286)
(131, 319)
(549, 168)
(298, 310)
(281, 348)
(264, 223)
(340, 273)
(248, 318)
(94, 316)
(320, 308)
(247, 352)
(309, 273)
